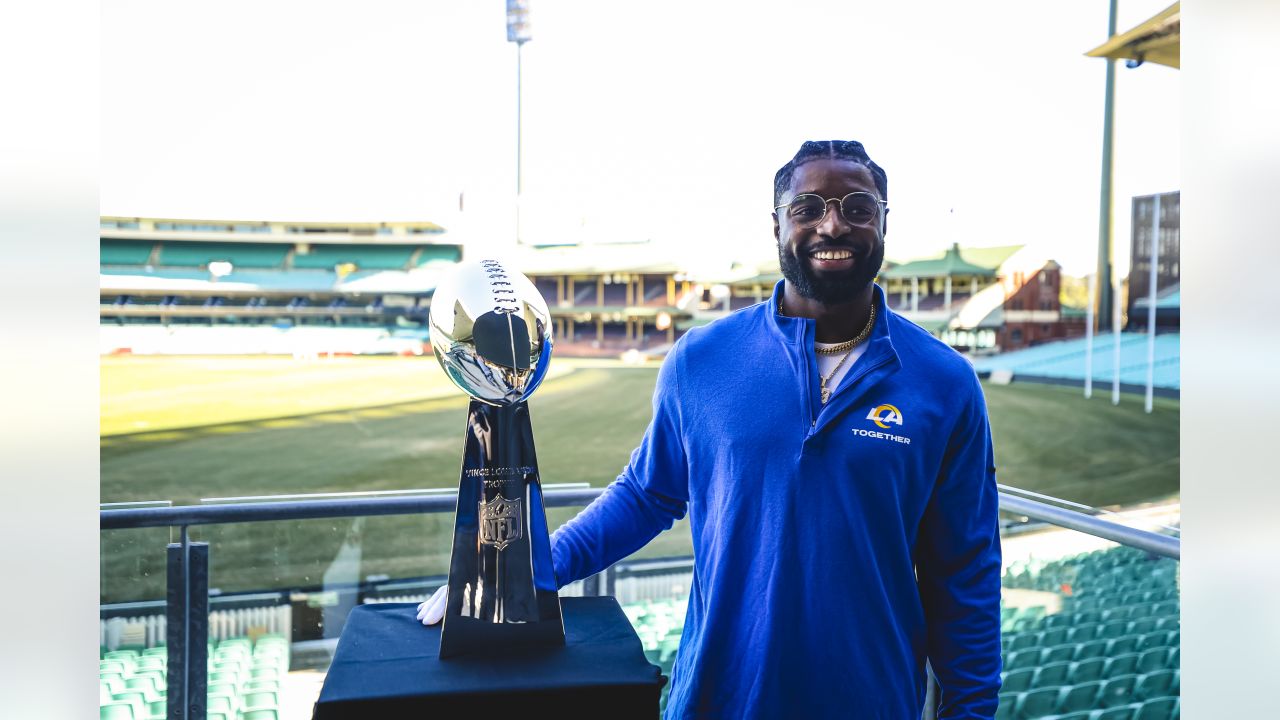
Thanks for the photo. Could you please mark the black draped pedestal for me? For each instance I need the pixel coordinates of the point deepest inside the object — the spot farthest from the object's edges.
(387, 665)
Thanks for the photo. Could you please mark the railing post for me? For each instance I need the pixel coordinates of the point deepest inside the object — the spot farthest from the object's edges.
(187, 629)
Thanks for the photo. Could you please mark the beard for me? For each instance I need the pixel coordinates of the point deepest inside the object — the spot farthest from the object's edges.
(831, 288)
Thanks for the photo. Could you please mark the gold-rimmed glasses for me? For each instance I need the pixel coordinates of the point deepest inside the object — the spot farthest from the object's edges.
(860, 209)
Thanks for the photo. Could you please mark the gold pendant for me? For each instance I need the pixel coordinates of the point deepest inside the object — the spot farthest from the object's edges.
(826, 394)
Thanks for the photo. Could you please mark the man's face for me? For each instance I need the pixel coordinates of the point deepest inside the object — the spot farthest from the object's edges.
(834, 260)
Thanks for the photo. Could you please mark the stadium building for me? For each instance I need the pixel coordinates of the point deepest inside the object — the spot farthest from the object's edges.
(1168, 278)
(217, 287)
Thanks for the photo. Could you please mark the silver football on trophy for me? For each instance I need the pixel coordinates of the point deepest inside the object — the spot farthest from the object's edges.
(491, 331)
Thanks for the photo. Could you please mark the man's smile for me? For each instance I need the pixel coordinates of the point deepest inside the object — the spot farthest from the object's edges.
(832, 258)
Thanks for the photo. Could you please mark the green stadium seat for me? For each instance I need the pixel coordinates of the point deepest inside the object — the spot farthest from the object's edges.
(1091, 649)
(1060, 653)
(1080, 697)
(260, 714)
(271, 673)
(1055, 636)
(1153, 639)
(150, 662)
(124, 252)
(1124, 712)
(136, 698)
(1052, 674)
(219, 716)
(1082, 715)
(1126, 664)
(222, 689)
(1112, 630)
(144, 684)
(271, 685)
(157, 710)
(1022, 641)
(1122, 645)
(1059, 620)
(1087, 670)
(1091, 617)
(1141, 627)
(1175, 660)
(260, 699)
(1169, 622)
(223, 676)
(221, 703)
(117, 711)
(112, 666)
(1152, 660)
(1038, 703)
(1017, 680)
(1085, 632)
(1165, 708)
(1118, 691)
(131, 655)
(1020, 659)
(1155, 684)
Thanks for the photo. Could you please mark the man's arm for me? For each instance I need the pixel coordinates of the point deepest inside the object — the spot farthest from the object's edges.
(958, 567)
(651, 493)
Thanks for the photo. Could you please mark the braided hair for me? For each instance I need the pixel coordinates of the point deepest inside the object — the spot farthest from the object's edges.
(850, 150)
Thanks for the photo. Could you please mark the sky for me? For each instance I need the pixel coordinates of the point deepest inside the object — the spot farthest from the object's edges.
(661, 120)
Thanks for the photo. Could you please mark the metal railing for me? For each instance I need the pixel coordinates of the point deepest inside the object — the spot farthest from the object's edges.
(187, 602)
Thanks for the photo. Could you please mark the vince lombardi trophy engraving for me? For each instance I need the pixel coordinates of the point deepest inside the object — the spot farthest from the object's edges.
(491, 332)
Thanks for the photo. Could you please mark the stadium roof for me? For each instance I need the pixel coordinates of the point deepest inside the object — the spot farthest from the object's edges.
(635, 258)
(1156, 40)
(950, 264)
(1168, 299)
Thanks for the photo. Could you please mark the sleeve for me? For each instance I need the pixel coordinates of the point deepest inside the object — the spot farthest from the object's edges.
(648, 497)
(958, 570)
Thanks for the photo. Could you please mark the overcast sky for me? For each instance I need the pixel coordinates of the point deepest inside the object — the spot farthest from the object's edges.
(662, 120)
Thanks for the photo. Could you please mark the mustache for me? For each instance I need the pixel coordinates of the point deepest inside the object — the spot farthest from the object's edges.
(855, 248)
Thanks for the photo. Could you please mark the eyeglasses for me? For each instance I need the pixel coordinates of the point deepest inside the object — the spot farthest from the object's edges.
(859, 209)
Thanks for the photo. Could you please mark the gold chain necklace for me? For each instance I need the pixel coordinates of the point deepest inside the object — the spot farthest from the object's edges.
(822, 381)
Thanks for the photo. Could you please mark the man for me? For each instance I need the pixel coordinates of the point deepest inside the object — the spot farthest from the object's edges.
(835, 461)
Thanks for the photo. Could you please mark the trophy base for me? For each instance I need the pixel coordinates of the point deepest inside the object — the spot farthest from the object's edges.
(501, 582)
(468, 636)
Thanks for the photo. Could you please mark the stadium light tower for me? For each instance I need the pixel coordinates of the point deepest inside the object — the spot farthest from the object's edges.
(519, 32)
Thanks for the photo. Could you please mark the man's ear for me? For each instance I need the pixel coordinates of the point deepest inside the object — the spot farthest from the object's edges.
(884, 224)
(776, 235)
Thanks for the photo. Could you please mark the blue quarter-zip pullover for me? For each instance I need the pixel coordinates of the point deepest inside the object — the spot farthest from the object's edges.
(835, 547)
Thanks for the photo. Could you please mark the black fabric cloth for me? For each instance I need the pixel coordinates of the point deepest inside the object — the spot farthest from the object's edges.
(387, 666)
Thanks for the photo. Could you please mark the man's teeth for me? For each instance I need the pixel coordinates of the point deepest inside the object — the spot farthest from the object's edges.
(833, 254)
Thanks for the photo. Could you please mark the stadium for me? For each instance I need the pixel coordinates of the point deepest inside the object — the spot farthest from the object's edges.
(290, 362)
(280, 449)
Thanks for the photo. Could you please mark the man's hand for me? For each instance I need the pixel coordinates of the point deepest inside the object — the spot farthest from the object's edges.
(432, 611)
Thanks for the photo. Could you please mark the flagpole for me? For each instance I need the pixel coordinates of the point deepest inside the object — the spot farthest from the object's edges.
(1088, 337)
(1151, 303)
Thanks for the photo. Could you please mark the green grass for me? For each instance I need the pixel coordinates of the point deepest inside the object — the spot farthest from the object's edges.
(218, 427)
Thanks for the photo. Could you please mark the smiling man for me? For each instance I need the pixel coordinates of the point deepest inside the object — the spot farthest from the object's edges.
(835, 463)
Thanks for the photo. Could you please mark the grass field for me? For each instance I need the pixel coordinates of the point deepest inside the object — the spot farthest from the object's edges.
(182, 429)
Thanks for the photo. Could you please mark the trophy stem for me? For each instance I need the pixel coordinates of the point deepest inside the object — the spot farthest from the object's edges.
(502, 589)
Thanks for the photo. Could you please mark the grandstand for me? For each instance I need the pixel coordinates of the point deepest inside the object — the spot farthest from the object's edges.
(275, 277)
(1064, 361)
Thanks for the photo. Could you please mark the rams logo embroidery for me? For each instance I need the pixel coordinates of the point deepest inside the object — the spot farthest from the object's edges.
(881, 415)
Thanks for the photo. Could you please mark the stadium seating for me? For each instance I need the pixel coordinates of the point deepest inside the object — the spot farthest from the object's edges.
(200, 254)
(1066, 360)
(1119, 614)
(244, 680)
(367, 257)
(125, 252)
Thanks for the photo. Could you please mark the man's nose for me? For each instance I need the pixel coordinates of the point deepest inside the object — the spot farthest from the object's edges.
(833, 223)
